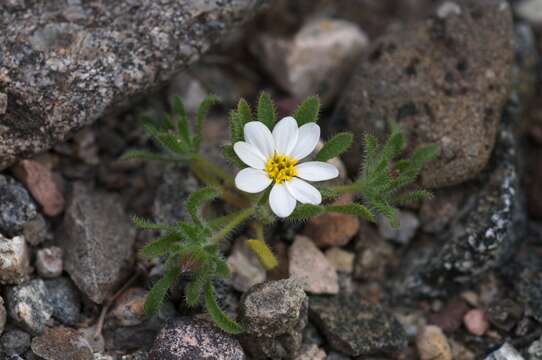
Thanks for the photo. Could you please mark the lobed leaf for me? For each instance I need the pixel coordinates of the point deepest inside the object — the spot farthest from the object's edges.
(308, 111)
(335, 146)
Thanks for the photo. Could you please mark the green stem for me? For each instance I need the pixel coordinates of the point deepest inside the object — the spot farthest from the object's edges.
(232, 224)
(346, 188)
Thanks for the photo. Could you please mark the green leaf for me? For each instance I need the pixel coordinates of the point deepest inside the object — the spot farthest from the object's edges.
(353, 209)
(194, 287)
(393, 146)
(236, 127)
(221, 267)
(182, 121)
(232, 157)
(149, 225)
(219, 317)
(328, 193)
(191, 232)
(171, 142)
(412, 197)
(160, 246)
(389, 212)
(308, 111)
(370, 146)
(335, 146)
(305, 211)
(197, 199)
(243, 109)
(156, 296)
(201, 114)
(266, 112)
(424, 154)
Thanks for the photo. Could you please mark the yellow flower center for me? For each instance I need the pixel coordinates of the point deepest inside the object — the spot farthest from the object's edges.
(281, 168)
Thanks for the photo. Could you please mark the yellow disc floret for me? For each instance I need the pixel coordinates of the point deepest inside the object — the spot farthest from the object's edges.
(281, 168)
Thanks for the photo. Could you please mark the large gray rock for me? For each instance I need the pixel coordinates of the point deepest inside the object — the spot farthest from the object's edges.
(274, 315)
(65, 63)
(182, 339)
(65, 299)
(29, 305)
(14, 260)
(98, 239)
(62, 343)
(16, 206)
(444, 81)
(354, 327)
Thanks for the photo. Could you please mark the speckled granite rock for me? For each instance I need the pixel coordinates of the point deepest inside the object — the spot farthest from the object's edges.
(16, 206)
(444, 81)
(66, 63)
(274, 314)
(182, 339)
(354, 327)
(14, 260)
(29, 305)
(62, 343)
(97, 238)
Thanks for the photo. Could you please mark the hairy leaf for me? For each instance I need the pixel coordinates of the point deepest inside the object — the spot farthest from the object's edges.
(219, 317)
(201, 114)
(412, 197)
(149, 225)
(304, 212)
(393, 146)
(353, 209)
(264, 254)
(308, 111)
(335, 146)
(236, 127)
(266, 112)
(147, 155)
(243, 109)
(182, 121)
(197, 199)
(160, 246)
(155, 298)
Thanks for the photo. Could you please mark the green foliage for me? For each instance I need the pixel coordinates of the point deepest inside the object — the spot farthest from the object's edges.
(308, 111)
(335, 146)
(266, 112)
(382, 176)
(180, 145)
(352, 209)
(197, 199)
(156, 296)
(216, 313)
(304, 212)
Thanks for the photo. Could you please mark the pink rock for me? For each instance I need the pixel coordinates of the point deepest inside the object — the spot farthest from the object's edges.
(476, 322)
(44, 185)
(311, 268)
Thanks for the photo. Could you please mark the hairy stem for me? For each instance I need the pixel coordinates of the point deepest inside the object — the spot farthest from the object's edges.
(232, 224)
(227, 195)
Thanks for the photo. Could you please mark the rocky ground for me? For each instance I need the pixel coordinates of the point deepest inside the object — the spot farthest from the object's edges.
(461, 278)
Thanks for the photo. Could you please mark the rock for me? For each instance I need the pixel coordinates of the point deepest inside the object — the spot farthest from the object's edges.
(311, 268)
(97, 239)
(374, 256)
(182, 339)
(14, 341)
(128, 308)
(444, 81)
(530, 10)
(461, 352)
(432, 344)
(3, 316)
(303, 66)
(342, 260)
(3, 103)
(274, 315)
(29, 305)
(14, 260)
(65, 299)
(409, 224)
(311, 352)
(438, 212)
(62, 343)
(50, 51)
(354, 327)
(333, 229)
(505, 352)
(35, 231)
(132, 338)
(49, 262)
(337, 356)
(505, 313)
(476, 322)
(450, 317)
(485, 234)
(44, 185)
(245, 267)
(175, 187)
(16, 206)
(535, 350)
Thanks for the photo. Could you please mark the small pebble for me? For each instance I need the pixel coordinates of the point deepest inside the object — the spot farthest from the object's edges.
(49, 262)
(476, 322)
(432, 344)
(342, 259)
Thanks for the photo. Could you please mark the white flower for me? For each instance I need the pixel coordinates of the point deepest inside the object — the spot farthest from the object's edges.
(273, 158)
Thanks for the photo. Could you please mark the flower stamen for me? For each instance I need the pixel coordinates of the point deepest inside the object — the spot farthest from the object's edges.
(281, 168)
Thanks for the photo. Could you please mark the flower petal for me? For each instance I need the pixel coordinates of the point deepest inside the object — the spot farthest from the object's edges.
(316, 171)
(308, 137)
(252, 180)
(257, 134)
(249, 154)
(285, 135)
(280, 201)
(303, 192)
